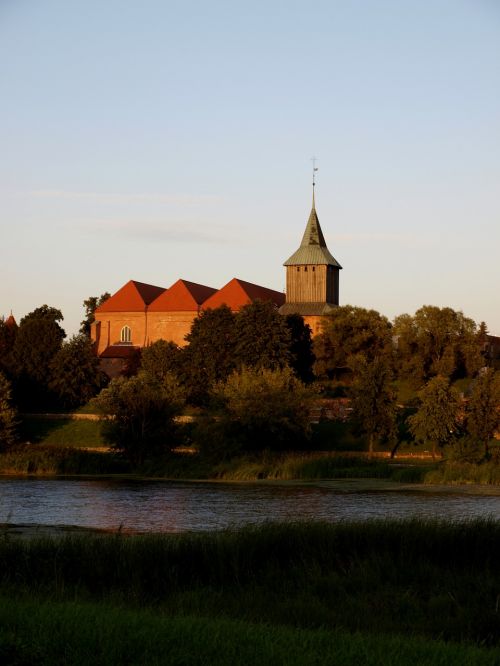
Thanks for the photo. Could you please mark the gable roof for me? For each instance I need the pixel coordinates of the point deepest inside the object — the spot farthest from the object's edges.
(132, 297)
(182, 296)
(237, 293)
(313, 248)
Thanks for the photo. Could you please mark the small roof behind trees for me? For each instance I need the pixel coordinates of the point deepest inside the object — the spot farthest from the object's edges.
(132, 297)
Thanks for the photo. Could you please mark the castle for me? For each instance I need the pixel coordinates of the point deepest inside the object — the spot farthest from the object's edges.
(139, 314)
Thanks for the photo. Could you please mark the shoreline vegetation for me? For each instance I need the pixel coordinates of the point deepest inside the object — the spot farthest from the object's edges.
(383, 592)
(61, 445)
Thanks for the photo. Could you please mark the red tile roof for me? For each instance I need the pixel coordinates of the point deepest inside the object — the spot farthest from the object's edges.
(238, 293)
(132, 297)
(10, 321)
(182, 296)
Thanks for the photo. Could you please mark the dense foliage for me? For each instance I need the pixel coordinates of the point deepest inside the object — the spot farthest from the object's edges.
(140, 415)
(8, 422)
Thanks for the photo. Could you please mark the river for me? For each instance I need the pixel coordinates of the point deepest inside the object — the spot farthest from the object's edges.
(167, 506)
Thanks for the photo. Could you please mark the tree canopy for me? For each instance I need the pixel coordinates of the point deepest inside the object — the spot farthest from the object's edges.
(437, 341)
(75, 373)
(265, 408)
(141, 415)
(348, 333)
(8, 423)
(483, 409)
(436, 421)
(38, 340)
(374, 401)
(90, 305)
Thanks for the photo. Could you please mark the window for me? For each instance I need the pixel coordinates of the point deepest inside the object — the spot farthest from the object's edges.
(313, 268)
(126, 334)
(305, 268)
(298, 269)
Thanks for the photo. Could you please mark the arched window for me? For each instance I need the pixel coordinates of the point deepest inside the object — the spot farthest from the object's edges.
(126, 334)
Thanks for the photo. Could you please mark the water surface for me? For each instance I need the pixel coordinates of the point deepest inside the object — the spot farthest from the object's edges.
(165, 506)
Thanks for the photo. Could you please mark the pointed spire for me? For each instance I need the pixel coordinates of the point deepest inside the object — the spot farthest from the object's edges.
(313, 249)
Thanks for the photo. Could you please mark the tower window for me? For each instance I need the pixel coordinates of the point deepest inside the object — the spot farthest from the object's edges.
(305, 268)
(313, 268)
(125, 334)
(298, 269)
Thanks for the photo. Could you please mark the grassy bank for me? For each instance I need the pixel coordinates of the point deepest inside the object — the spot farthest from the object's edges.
(89, 633)
(433, 579)
(61, 432)
(370, 593)
(43, 460)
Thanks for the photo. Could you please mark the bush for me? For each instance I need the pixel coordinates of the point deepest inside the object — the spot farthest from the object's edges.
(265, 409)
(141, 415)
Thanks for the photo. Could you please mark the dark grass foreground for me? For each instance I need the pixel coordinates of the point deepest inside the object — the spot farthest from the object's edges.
(82, 633)
(437, 579)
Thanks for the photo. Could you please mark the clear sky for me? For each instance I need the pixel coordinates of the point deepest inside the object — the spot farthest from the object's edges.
(158, 139)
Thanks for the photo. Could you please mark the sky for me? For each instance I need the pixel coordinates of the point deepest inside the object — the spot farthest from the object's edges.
(160, 139)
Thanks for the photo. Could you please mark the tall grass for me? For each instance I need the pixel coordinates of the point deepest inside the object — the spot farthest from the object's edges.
(85, 633)
(50, 460)
(433, 578)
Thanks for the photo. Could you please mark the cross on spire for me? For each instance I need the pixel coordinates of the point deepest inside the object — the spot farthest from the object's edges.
(314, 169)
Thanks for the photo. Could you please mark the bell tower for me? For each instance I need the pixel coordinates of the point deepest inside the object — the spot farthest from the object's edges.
(312, 275)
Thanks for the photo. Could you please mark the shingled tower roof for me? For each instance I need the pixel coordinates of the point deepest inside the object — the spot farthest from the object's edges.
(313, 248)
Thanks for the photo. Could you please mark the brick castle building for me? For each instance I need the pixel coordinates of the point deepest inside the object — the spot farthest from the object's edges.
(139, 314)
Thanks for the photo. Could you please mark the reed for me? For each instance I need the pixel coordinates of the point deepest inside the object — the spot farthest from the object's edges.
(430, 578)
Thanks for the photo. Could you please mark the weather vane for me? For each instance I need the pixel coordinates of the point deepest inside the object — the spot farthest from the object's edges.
(315, 168)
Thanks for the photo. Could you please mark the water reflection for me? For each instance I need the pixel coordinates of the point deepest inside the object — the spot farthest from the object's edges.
(177, 507)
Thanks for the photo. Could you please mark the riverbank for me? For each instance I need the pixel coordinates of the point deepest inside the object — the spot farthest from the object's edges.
(382, 592)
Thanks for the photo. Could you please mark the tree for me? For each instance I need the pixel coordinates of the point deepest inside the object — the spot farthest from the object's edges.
(437, 341)
(140, 415)
(8, 332)
(301, 348)
(348, 333)
(266, 408)
(263, 338)
(75, 373)
(374, 401)
(209, 356)
(8, 423)
(483, 409)
(436, 421)
(90, 305)
(38, 340)
(161, 358)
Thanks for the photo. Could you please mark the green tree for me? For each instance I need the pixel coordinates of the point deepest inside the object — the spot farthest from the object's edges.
(374, 401)
(8, 334)
(209, 356)
(141, 415)
(348, 333)
(301, 348)
(162, 358)
(8, 423)
(483, 409)
(436, 421)
(437, 341)
(38, 340)
(263, 338)
(266, 408)
(90, 305)
(75, 373)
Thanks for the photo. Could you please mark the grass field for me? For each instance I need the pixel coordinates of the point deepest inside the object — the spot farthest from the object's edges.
(390, 592)
(62, 432)
(82, 633)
